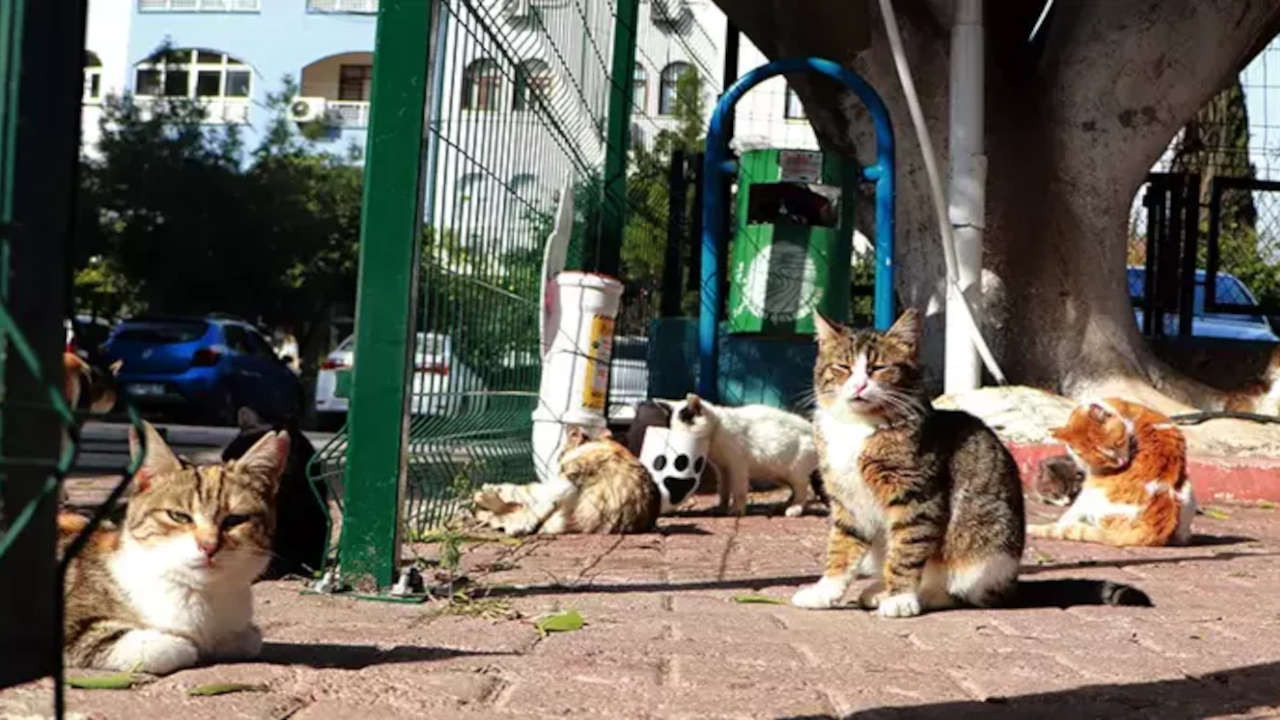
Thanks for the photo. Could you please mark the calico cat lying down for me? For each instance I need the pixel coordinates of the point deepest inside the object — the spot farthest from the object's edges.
(1136, 490)
(171, 586)
(601, 488)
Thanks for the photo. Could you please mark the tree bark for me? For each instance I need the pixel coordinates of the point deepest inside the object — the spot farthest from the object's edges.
(1075, 119)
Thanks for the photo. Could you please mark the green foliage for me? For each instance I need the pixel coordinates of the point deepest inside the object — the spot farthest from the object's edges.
(1215, 143)
(644, 237)
(175, 218)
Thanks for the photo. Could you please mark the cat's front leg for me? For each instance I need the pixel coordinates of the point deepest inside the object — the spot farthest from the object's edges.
(243, 644)
(914, 537)
(149, 651)
(734, 483)
(845, 552)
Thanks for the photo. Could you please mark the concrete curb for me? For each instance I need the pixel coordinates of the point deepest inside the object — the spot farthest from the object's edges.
(1240, 478)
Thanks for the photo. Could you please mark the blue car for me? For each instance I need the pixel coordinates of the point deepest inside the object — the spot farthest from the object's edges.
(1229, 289)
(203, 368)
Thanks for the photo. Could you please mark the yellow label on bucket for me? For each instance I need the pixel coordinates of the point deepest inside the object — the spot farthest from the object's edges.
(599, 350)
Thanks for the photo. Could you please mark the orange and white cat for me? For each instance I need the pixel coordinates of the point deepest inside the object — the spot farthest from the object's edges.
(1136, 490)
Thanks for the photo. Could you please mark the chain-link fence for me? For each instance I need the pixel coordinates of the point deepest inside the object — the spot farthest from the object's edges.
(1232, 146)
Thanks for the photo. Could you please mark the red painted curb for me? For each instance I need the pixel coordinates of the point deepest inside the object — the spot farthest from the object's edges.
(1248, 478)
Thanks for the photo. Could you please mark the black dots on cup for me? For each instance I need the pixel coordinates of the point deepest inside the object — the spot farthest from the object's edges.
(659, 462)
(682, 462)
(697, 464)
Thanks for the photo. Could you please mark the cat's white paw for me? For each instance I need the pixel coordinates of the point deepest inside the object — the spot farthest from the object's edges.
(151, 651)
(794, 511)
(902, 605)
(241, 645)
(821, 595)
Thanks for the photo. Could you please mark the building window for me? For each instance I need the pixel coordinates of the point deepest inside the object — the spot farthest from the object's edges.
(92, 77)
(671, 75)
(793, 110)
(481, 85)
(343, 6)
(640, 90)
(193, 73)
(354, 82)
(199, 5)
(533, 80)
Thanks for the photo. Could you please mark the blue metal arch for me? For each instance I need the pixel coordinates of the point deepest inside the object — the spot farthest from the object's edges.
(716, 165)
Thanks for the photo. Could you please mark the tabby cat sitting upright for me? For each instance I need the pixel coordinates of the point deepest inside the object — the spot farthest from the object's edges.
(601, 488)
(171, 586)
(933, 496)
(1136, 490)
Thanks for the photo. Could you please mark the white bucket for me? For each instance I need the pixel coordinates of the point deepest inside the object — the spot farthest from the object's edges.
(575, 370)
(675, 460)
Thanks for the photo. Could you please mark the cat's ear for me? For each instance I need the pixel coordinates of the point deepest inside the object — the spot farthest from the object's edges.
(1097, 413)
(605, 434)
(693, 403)
(267, 458)
(247, 419)
(906, 330)
(1059, 433)
(114, 367)
(827, 330)
(157, 460)
(574, 436)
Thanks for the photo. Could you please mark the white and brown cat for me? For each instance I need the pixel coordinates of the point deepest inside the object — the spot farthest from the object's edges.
(171, 586)
(600, 488)
(752, 442)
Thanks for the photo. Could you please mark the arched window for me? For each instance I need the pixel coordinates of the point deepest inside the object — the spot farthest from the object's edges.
(193, 73)
(533, 80)
(481, 85)
(671, 75)
(92, 77)
(640, 90)
(793, 110)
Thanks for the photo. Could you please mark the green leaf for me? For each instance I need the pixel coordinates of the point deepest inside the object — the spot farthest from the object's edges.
(562, 622)
(758, 599)
(224, 688)
(118, 681)
(1266, 505)
(1216, 514)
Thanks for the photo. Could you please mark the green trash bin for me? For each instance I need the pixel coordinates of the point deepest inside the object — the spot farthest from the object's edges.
(792, 241)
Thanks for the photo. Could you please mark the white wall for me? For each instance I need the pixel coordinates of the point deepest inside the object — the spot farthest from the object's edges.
(107, 35)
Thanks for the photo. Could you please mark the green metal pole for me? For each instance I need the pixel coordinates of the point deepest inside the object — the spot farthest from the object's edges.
(613, 214)
(389, 237)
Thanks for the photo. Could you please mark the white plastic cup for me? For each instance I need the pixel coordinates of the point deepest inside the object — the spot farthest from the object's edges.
(575, 371)
(675, 460)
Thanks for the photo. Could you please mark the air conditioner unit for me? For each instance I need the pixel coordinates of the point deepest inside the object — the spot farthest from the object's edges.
(306, 109)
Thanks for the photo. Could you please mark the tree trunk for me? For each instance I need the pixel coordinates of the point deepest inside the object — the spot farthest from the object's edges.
(1074, 121)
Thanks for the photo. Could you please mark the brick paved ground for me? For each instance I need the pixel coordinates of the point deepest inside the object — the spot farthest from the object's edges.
(664, 639)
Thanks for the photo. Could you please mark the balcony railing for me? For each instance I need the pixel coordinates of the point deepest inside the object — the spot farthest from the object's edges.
(346, 113)
(218, 111)
(343, 6)
(199, 5)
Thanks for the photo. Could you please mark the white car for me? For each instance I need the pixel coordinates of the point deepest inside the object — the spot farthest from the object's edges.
(442, 384)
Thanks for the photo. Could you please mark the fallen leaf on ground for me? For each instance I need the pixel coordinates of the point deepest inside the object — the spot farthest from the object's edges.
(224, 688)
(562, 622)
(763, 599)
(118, 681)
(1266, 505)
(1216, 514)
